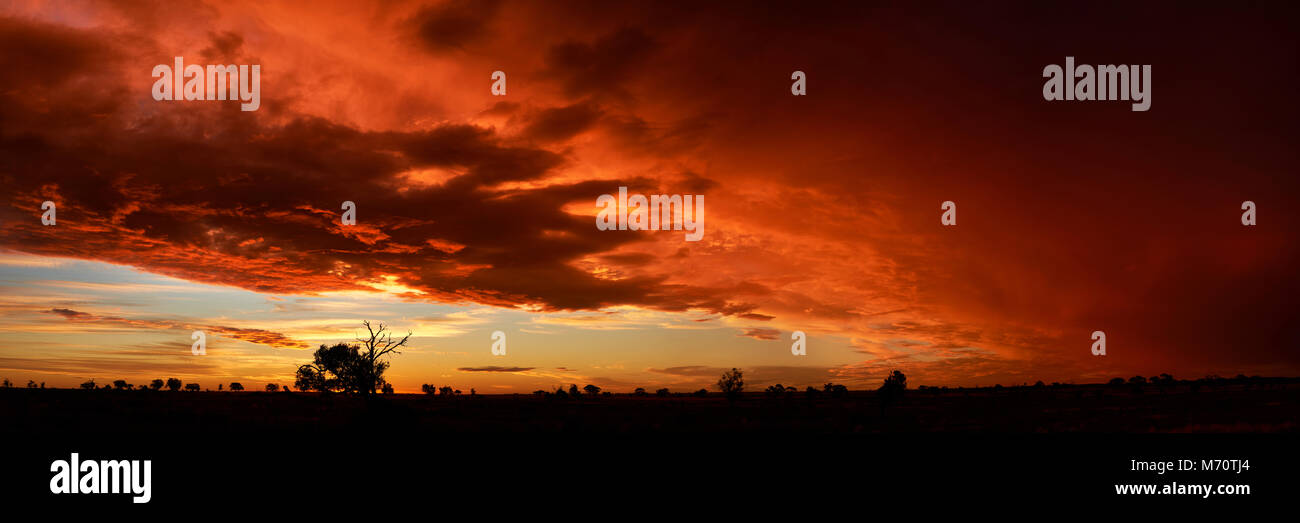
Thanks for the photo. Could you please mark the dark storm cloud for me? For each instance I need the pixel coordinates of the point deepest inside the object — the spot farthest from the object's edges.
(454, 24)
(600, 67)
(213, 195)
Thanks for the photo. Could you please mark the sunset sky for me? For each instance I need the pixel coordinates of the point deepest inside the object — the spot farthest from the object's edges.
(476, 213)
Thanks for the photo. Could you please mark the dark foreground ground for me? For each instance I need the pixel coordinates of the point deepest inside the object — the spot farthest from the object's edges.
(1013, 447)
(1258, 407)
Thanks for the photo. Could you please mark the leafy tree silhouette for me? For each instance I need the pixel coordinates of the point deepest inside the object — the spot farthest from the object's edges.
(121, 385)
(662, 393)
(89, 385)
(892, 389)
(156, 384)
(353, 369)
(173, 384)
(192, 387)
(593, 390)
(271, 387)
(732, 383)
(640, 391)
(235, 385)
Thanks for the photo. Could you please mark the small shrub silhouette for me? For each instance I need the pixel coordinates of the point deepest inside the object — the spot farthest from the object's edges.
(732, 383)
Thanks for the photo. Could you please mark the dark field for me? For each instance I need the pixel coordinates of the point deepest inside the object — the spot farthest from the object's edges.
(1255, 407)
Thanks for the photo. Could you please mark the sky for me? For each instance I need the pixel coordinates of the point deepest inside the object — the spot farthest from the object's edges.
(476, 213)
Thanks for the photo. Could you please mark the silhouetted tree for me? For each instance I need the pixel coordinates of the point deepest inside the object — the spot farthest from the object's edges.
(378, 344)
(235, 385)
(835, 390)
(429, 389)
(662, 393)
(573, 390)
(192, 387)
(173, 384)
(89, 385)
(332, 369)
(6, 383)
(121, 385)
(1115, 382)
(219, 385)
(811, 392)
(352, 368)
(892, 389)
(593, 390)
(775, 391)
(156, 384)
(1137, 380)
(701, 393)
(732, 383)
(31, 384)
(271, 387)
(387, 388)
(640, 391)
(446, 391)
